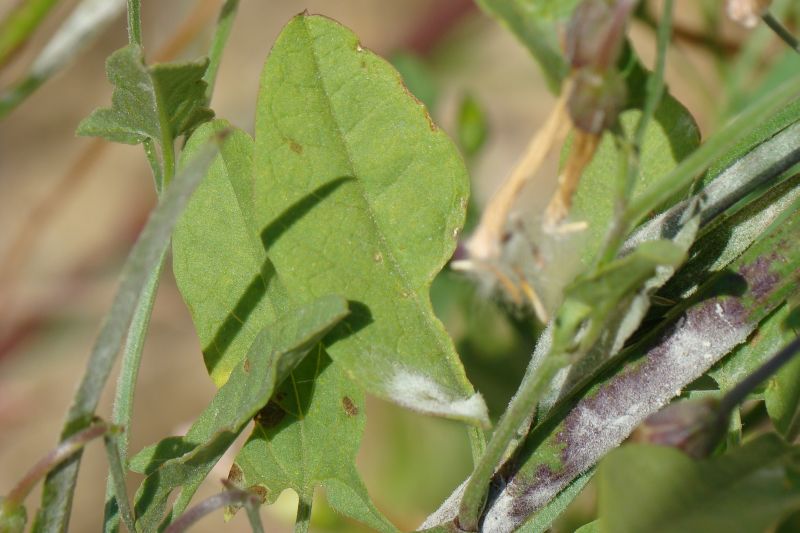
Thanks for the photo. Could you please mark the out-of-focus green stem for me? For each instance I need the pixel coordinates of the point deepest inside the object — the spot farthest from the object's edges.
(20, 23)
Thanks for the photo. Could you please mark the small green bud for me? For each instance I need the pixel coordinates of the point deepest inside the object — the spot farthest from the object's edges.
(12, 517)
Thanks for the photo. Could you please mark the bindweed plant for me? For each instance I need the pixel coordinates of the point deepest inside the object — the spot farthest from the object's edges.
(305, 254)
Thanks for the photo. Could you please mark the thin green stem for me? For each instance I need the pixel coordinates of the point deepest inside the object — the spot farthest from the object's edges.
(654, 89)
(654, 92)
(142, 260)
(530, 391)
(224, 23)
(699, 160)
(155, 165)
(19, 23)
(135, 22)
(117, 477)
(303, 520)
(122, 411)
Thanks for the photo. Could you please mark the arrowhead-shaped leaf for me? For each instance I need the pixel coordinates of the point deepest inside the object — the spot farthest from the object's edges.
(358, 192)
(354, 191)
(161, 102)
(185, 462)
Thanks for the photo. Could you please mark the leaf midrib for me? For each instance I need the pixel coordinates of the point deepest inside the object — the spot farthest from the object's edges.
(384, 248)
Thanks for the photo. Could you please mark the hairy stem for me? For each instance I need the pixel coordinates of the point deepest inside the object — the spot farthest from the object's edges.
(303, 520)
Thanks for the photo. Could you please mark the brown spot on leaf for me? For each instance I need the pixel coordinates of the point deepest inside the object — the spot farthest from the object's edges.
(349, 407)
(236, 476)
(296, 147)
(246, 366)
(259, 490)
(270, 415)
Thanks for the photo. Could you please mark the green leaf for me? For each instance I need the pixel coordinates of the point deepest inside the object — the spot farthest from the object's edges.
(354, 191)
(591, 527)
(12, 517)
(782, 395)
(75, 33)
(229, 300)
(534, 22)
(418, 77)
(770, 337)
(661, 490)
(160, 103)
(670, 137)
(290, 447)
(276, 351)
(220, 265)
(19, 22)
(665, 360)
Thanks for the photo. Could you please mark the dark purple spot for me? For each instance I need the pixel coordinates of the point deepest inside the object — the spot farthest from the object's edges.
(760, 279)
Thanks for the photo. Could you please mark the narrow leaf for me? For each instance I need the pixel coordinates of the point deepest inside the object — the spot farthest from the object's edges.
(142, 260)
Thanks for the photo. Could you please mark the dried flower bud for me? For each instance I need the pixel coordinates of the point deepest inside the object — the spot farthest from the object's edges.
(12, 517)
(595, 33)
(693, 426)
(746, 13)
(595, 99)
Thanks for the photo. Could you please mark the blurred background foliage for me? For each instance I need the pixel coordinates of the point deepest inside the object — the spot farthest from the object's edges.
(71, 208)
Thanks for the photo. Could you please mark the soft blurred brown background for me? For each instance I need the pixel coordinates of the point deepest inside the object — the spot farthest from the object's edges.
(80, 219)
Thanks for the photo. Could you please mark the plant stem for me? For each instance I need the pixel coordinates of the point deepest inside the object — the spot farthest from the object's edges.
(142, 260)
(135, 22)
(654, 92)
(117, 477)
(303, 519)
(56, 456)
(781, 31)
(122, 411)
(221, 34)
(232, 496)
(521, 405)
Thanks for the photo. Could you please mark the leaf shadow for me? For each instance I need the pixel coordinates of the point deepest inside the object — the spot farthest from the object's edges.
(257, 289)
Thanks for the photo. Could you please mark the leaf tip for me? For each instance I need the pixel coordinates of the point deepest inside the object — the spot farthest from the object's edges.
(420, 393)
